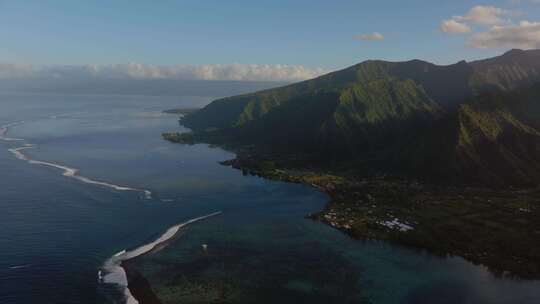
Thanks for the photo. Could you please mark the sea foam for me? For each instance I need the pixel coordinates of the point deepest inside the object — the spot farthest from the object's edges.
(115, 273)
(68, 171)
(5, 128)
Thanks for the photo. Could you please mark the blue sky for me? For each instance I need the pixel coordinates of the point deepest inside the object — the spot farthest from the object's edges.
(314, 33)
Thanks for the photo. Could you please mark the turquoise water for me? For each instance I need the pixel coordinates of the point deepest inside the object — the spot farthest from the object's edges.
(56, 231)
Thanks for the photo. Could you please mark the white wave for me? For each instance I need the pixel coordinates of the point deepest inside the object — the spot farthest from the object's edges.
(20, 266)
(12, 124)
(72, 172)
(115, 273)
(120, 253)
(65, 115)
(18, 154)
(69, 172)
(147, 194)
(5, 129)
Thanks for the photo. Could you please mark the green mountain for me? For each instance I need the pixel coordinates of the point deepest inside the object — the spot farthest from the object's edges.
(514, 69)
(472, 122)
(498, 138)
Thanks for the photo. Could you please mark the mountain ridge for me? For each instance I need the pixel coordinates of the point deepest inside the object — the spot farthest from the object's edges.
(452, 152)
(413, 119)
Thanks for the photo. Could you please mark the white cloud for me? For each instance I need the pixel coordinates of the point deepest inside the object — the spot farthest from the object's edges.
(494, 28)
(525, 35)
(485, 15)
(375, 36)
(454, 27)
(241, 72)
(481, 15)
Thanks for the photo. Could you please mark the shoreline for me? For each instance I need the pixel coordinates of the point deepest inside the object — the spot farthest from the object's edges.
(491, 227)
(477, 224)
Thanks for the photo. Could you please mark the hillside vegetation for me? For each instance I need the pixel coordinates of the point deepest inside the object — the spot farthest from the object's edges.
(468, 123)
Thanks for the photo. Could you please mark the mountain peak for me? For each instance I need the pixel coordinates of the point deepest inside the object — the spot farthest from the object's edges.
(514, 52)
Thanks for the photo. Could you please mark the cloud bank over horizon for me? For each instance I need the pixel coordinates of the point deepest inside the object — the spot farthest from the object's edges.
(493, 27)
(237, 72)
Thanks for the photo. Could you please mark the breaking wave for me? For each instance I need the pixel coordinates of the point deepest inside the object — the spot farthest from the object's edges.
(115, 273)
(68, 171)
(5, 128)
(19, 266)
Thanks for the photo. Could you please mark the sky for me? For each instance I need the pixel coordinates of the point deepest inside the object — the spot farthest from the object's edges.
(252, 40)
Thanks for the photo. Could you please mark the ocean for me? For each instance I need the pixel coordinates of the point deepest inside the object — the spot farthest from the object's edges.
(85, 177)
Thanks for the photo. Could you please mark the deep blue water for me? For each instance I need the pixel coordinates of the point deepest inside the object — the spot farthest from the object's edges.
(56, 232)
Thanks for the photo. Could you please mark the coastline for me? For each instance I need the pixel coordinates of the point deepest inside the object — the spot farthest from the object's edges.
(478, 224)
